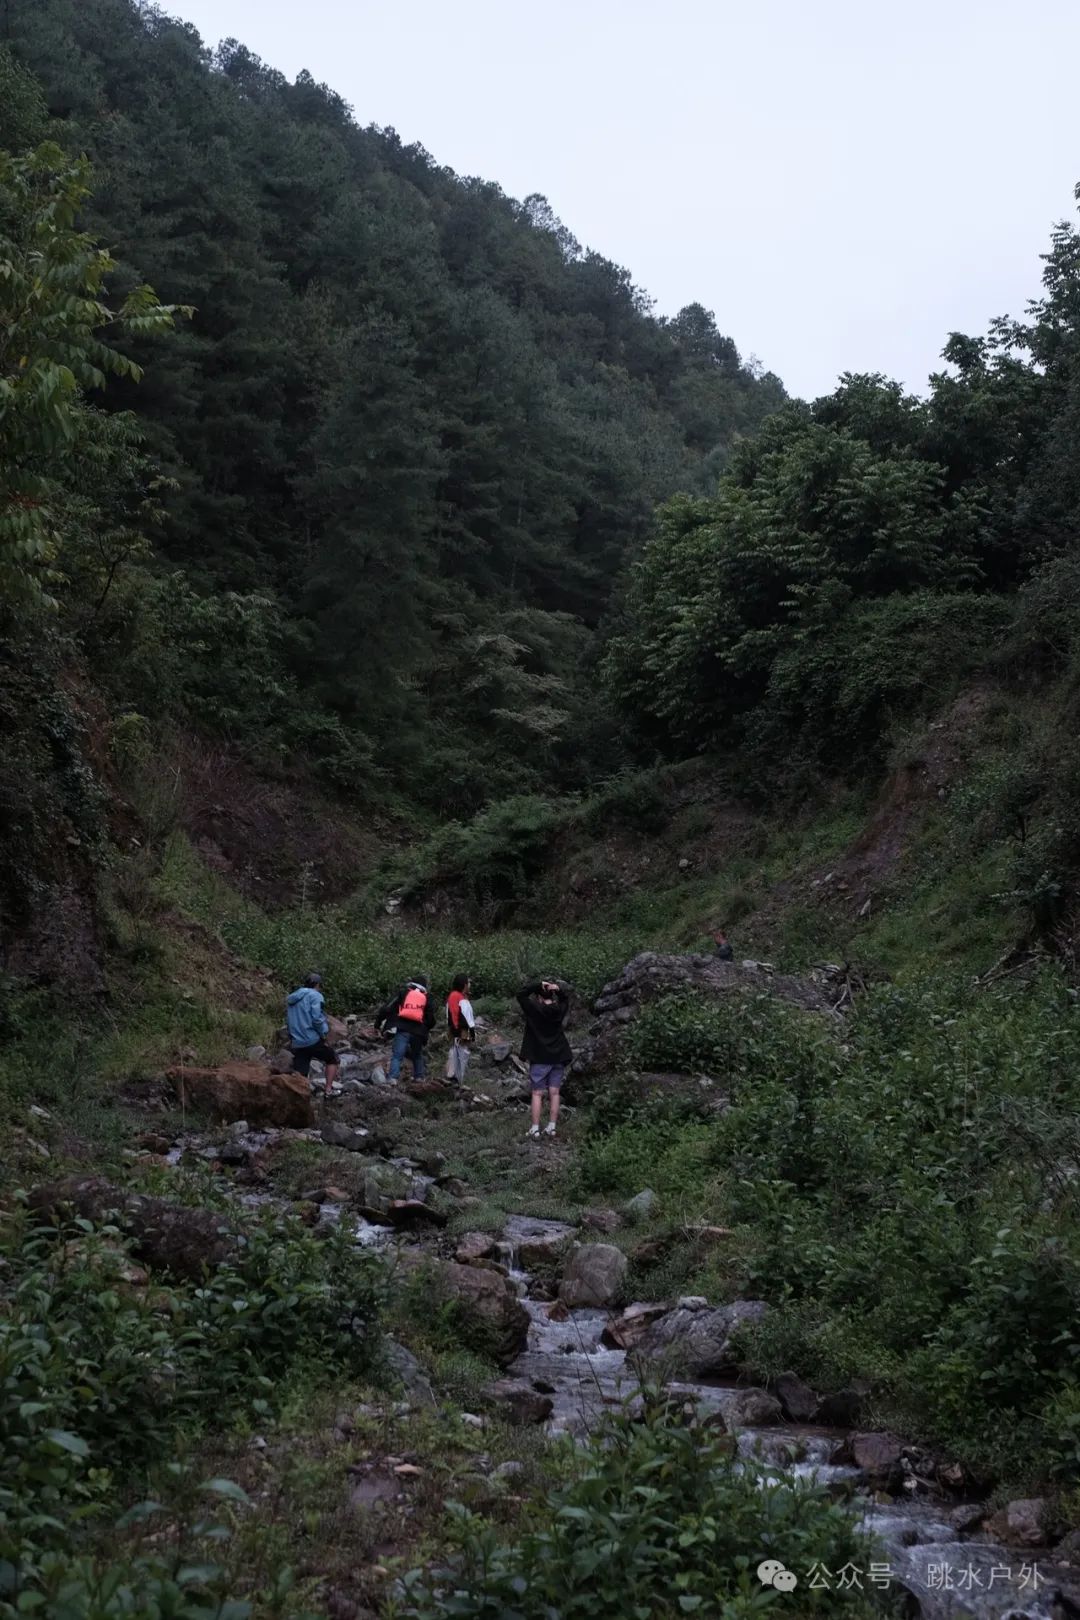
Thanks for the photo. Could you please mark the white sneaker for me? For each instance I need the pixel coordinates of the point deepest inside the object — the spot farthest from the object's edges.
(534, 1132)
(549, 1128)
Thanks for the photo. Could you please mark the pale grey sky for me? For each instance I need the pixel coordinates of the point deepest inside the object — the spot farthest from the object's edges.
(842, 181)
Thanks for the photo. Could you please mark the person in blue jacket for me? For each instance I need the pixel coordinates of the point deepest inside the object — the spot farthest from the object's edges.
(308, 1029)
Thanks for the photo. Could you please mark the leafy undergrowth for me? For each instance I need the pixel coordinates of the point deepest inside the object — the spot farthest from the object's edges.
(361, 966)
(659, 1522)
(107, 1384)
(904, 1194)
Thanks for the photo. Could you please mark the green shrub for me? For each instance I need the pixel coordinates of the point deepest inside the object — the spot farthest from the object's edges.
(902, 1188)
(662, 1521)
(99, 1377)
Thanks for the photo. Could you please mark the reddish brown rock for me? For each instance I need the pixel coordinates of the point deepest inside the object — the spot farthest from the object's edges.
(474, 1246)
(624, 1331)
(876, 1454)
(1020, 1523)
(246, 1091)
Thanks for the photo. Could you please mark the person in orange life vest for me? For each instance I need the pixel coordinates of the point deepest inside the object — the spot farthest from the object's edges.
(412, 1017)
(461, 1023)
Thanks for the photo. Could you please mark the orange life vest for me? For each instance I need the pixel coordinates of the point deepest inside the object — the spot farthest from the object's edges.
(412, 1005)
(453, 1010)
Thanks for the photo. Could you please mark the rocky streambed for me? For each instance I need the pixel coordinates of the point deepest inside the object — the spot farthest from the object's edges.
(920, 1547)
(569, 1358)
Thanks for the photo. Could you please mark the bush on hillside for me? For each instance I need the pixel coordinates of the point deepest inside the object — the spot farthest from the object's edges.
(99, 1376)
(662, 1521)
(906, 1194)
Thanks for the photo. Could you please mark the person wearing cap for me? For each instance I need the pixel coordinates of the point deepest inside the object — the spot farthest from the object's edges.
(308, 1029)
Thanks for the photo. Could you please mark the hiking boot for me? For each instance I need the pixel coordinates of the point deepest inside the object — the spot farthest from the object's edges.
(549, 1128)
(534, 1132)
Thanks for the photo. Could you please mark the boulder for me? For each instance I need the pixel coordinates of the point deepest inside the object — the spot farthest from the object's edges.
(754, 1409)
(535, 1250)
(594, 1274)
(474, 1246)
(1067, 1550)
(877, 1454)
(624, 1331)
(490, 1316)
(968, 1518)
(381, 1185)
(698, 1342)
(653, 974)
(375, 1486)
(406, 1214)
(517, 1401)
(640, 1207)
(280, 1063)
(602, 1220)
(246, 1091)
(1020, 1523)
(352, 1138)
(842, 1409)
(796, 1397)
(408, 1371)
(152, 1142)
(168, 1236)
(491, 1307)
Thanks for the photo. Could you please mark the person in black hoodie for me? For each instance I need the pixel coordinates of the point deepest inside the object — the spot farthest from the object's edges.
(408, 1017)
(545, 1047)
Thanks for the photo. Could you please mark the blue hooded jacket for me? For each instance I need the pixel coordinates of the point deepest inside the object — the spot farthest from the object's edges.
(307, 1021)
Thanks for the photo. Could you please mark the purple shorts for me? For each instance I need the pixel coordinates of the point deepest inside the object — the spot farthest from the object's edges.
(546, 1076)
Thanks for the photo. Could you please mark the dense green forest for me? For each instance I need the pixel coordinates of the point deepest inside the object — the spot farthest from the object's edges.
(410, 431)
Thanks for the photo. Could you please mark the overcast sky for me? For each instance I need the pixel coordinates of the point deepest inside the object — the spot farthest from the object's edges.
(842, 181)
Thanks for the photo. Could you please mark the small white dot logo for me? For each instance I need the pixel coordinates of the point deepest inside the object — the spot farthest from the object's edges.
(771, 1572)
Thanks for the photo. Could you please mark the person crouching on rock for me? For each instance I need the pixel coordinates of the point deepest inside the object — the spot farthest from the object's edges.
(411, 1017)
(308, 1029)
(461, 1026)
(545, 1047)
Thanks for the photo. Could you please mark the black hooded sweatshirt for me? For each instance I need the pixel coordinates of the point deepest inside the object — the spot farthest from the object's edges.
(545, 1040)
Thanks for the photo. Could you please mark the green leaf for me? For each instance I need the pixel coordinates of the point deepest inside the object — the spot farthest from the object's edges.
(68, 1442)
(227, 1488)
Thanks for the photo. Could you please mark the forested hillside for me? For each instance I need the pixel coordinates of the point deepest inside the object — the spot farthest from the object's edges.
(412, 426)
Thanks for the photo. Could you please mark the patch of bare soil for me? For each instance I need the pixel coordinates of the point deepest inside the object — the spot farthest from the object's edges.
(851, 885)
(278, 841)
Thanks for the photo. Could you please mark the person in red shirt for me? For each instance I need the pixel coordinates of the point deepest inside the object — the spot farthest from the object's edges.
(461, 1025)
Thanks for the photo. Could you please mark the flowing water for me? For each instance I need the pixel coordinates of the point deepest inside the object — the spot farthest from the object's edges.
(915, 1550)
